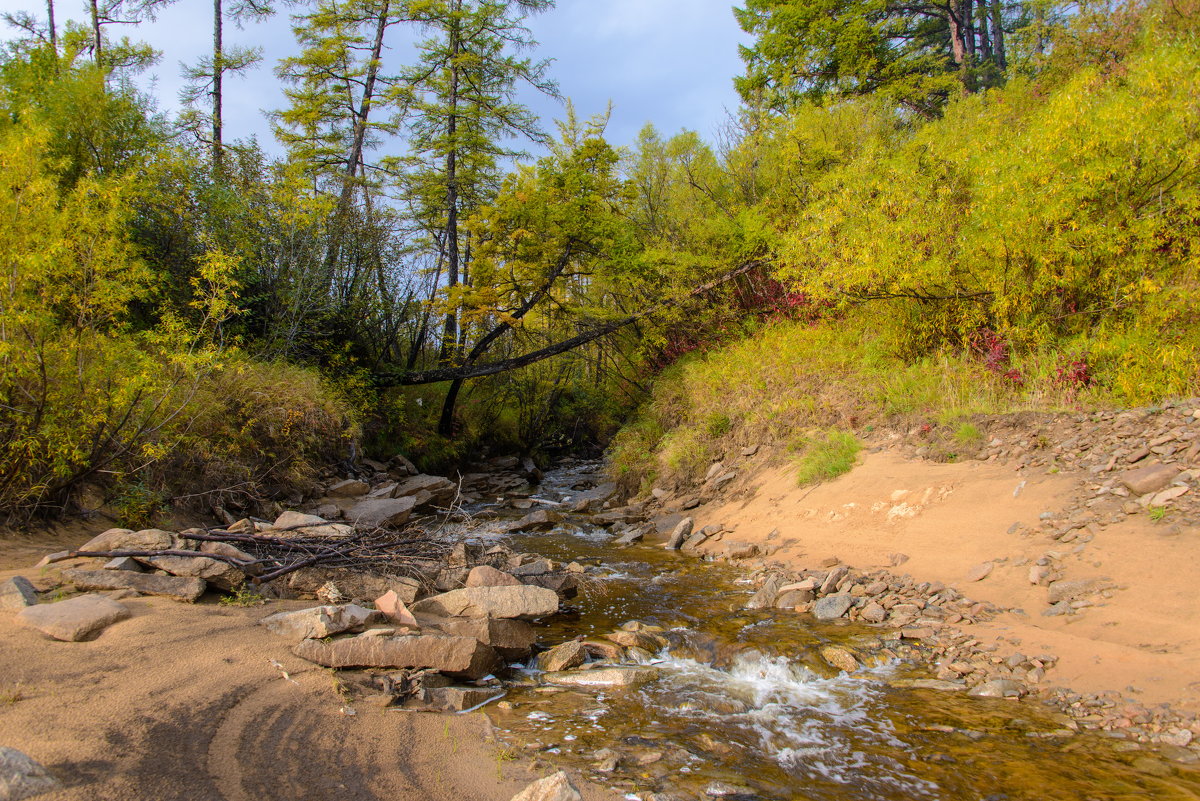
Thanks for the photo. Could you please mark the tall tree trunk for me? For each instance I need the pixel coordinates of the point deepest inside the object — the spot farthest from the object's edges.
(998, 34)
(968, 20)
(97, 44)
(53, 32)
(985, 38)
(450, 329)
(218, 68)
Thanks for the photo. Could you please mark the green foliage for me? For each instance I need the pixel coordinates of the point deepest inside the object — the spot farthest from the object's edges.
(824, 457)
(244, 596)
(137, 506)
(967, 434)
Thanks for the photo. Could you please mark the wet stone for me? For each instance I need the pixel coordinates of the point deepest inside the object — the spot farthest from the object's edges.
(832, 607)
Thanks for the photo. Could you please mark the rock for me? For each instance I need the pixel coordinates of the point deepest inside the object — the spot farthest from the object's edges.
(390, 605)
(22, 777)
(178, 587)
(682, 530)
(124, 563)
(1058, 609)
(840, 658)
(427, 489)
(535, 521)
(220, 574)
(552, 788)
(463, 657)
(563, 657)
(831, 607)
(17, 593)
(487, 576)
(830, 561)
(630, 537)
(693, 543)
(537, 567)
(74, 619)
(603, 677)
(1150, 478)
(295, 524)
(928, 684)
(1152, 767)
(49, 559)
(980, 571)
(790, 599)
(329, 511)
(350, 488)
(353, 584)
(451, 699)
(999, 688)
(1071, 590)
(123, 539)
(727, 790)
(1167, 495)
(750, 450)
(741, 550)
(318, 622)
(916, 633)
(512, 639)
(873, 613)
(524, 602)
(381, 512)
(637, 639)
(834, 577)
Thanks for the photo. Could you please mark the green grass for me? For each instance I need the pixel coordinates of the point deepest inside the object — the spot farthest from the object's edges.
(827, 457)
(967, 434)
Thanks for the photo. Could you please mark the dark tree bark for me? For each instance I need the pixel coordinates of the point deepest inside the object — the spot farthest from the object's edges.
(218, 68)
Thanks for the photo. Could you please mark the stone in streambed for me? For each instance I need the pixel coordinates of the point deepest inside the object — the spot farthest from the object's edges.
(488, 576)
(682, 530)
(463, 657)
(536, 521)
(22, 777)
(178, 587)
(318, 622)
(839, 658)
(563, 657)
(74, 619)
(216, 572)
(552, 788)
(350, 488)
(17, 593)
(999, 688)
(603, 677)
(450, 699)
(525, 602)
(831, 607)
(512, 639)
(394, 609)
(382, 512)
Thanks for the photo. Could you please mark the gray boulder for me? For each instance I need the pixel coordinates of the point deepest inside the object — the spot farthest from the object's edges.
(382, 512)
(535, 521)
(17, 593)
(22, 777)
(214, 571)
(463, 657)
(123, 539)
(524, 602)
(831, 607)
(178, 587)
(682, 530)
(552, 788)
(74, 619)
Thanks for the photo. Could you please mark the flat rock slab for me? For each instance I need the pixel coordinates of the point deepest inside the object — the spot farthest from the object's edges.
(353, 584)
(214, 571)
(487, 576)
(17, 593)
(1074, 589)
(296, 524)
(74, 619)
(180, 588)
(382, 512)
(534, 521)
(980, 571)
(1149, 479)
(318, 622)
(451, 699)
(563, 657)
(552, 788)
(513, 639)
(523, 602)
(463, 657)
(350, 488)
(603, 677)
(22, 777)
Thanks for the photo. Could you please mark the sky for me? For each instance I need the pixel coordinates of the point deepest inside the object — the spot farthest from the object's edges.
(668, 62)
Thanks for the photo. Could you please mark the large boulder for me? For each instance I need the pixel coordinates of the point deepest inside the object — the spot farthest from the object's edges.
(178, 587)
(382, 512)
(73, 619)
(426, 489)
(17, 593)
(352, 584)
(552, 788)
(22, 777)
(318, 622)
(123, 539)
(488, 576)
(524, 602)
(512, 639)
(831, 607)
(1150, 478)
(463, 657)
(215, 571)
(349, 488)
(679, 534)
(564, 656)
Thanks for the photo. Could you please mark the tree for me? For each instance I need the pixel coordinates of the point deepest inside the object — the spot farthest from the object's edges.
(207, 77)
(463, 108)
(916, 54)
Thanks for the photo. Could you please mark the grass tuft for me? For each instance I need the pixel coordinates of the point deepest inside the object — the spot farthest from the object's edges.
(827, 457)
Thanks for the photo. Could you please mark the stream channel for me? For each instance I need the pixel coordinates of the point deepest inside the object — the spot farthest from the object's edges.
(745, 707)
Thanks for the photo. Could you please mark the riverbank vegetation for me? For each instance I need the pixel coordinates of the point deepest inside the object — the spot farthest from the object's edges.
(996, 210)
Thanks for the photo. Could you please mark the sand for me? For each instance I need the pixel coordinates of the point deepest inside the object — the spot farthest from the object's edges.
(187, 702)
(1144, 641)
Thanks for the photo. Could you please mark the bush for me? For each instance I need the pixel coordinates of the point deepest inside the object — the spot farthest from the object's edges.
(826, 457)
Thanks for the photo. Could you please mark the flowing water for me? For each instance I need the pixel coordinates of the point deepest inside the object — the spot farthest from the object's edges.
(744, 699)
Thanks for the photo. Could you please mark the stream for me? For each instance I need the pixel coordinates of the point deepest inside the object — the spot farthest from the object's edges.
(745, 707)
